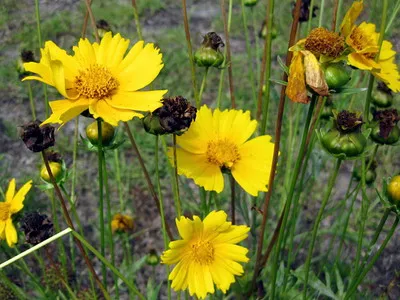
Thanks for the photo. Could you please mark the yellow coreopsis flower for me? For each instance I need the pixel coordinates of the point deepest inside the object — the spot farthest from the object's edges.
(101, 78)
(13, 204)
(216, 142)
(206, 254)
(363, 41)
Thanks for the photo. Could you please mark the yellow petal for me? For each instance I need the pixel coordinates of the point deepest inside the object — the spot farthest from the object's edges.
(2, 228)
(10, 191)
(58, 77)
(362, 62)
(185, 227)
(389, 74)
(253, 169)
(142, 70)
(234, 235)
(17, 201)
(232, 252)
(103, 49)
(296, 89)
(350, 17)
(102, 109)
(214, 221)
(65, 110)
(43, 71)
(315, 77)
(204, 174)
(85, 53)
(131, 56)
(386, 51)
(70, 65)
(11, 233)
(139, 101)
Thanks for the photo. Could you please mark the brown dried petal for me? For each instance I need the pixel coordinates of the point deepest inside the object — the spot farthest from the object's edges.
(37, 227)
(37, 138)
(348, 122)
(387, 119)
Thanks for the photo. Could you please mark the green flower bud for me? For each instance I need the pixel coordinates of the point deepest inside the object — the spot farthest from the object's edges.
(263, 31)
(56, 170)
(327, 110)
(152, 258)
(382, 96)
(370, 174)
(209, 55)
(336, 75)
(392, 138)
(107, 133)
(250, 2)
(393, 190)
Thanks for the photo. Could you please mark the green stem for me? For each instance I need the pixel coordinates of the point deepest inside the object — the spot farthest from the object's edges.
(360, 278)
(268, 61)
(160, 196)
(249, 52)
(339, 15)
(101, 199)
(288, 203)
(190, 51)
(130, 285)
(321, 13)
(393, 16)
(109, 219)
(31, 101)
(74, 159)
(17, 291)
(177, 199)
(328, 191)
(256, 39)
(119, 182)
(310, 17)
(233, 204)
(203, 85)
(136, 17)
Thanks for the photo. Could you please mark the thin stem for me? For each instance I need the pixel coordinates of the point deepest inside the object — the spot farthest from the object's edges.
(109, 219)
(310, 16)
(36, 247)
(249, 52)
(328, 191)
(335, 13)
(92, 20)
(31, 101)
(256, 39)
(190, 50)
(113, 269)
(101, 198)
(233, 204)
(278, 130)
(202, 87)
(70, 224)
(146, 175)
(338, 15)
(393, 16)
(228, 53)
(321, 13)
(136, 16)
(176, 180)
(360, 278)
(74, 155)
(119, 182)
(160, 196)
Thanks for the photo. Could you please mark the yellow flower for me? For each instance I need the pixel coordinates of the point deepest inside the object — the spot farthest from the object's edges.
(363, 41)
(217, 141)
(206, 254)
(99, 77)
(13, 204)
(121, 223)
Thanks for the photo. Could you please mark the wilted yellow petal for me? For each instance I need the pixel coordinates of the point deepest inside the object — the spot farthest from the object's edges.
(296, 89)
(314, 75)
(350, 17)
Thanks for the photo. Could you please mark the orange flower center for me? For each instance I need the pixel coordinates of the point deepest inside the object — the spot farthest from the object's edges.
(4, 211)
(325, 42)
(96, 82)
(202, 252)
(222, 153)
(360, 41)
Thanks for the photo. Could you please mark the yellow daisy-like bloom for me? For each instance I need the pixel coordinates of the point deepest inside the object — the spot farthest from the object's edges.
(101, 78)
(13, 204)
(206, 254)
(217, 141)
(363, 41)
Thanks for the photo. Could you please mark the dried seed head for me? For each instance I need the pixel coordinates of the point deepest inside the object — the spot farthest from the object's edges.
(212, 40)
(27, 56)
(347, 122)
(102, 28)
(175, 116)
(325, 42)
(384, 88)
(37, 227)
(37, 138)
(387, 119)
(305, 10)
(53, 156)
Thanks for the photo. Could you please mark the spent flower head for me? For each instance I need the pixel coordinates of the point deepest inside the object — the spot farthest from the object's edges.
(207, 254)
(37, 138)
(37, 227)
(121, 223)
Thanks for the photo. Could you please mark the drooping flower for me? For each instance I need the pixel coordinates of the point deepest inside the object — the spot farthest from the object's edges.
(121, 223)
(216, 142)
(207, 254)
(101, 78)
(320, 46)
(363, 41)
(12, 205)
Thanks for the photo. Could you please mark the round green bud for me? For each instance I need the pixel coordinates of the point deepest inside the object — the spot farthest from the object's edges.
(208, 57)
(381, 99)
(56, 170)
(350, 144)
(393, 137)
(336, 75)
(393, 190)
(250, 2)
(107, 133)
(370, 175)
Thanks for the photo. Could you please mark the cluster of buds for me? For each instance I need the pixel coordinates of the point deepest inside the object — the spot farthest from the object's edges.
(209, 54)
(174, 116)
(345, 140)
